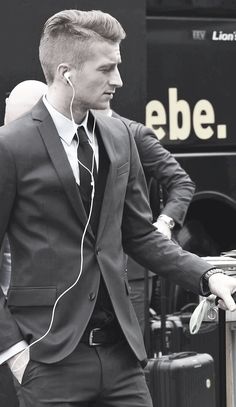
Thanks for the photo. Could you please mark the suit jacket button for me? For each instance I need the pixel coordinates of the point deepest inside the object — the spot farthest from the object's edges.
(98, 251)
(92, 296)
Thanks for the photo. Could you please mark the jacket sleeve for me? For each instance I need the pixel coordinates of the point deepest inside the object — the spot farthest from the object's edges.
(149, 247)
(159, 163)
(10, 333)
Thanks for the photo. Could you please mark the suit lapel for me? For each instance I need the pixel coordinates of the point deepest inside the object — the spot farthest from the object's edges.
(108, 195)
(59, 159)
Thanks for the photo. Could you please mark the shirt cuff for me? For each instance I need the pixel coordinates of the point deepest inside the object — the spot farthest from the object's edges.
(13, 350)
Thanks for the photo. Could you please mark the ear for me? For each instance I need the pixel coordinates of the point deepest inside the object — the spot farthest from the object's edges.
(62, 70)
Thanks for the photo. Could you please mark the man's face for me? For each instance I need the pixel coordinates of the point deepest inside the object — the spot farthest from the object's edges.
(96, 81)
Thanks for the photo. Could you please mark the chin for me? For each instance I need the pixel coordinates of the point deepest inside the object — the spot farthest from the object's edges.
(102, 106)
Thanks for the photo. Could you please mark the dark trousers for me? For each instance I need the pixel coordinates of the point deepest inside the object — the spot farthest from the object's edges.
(101, 376)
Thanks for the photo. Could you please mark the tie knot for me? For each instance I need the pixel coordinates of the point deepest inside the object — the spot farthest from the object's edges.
(83, 138)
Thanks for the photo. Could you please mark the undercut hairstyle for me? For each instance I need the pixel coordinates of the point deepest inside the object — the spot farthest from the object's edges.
(68, 35)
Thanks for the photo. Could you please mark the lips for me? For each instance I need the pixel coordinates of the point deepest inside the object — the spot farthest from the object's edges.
(111, 93)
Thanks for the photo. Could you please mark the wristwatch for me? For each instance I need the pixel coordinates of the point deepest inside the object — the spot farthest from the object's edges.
(168, 220)
(209, 273)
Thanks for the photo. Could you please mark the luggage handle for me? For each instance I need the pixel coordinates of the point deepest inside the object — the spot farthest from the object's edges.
(182, 355)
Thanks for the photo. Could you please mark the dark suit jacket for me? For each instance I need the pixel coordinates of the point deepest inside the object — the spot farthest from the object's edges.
(158, 163)
(42, 212)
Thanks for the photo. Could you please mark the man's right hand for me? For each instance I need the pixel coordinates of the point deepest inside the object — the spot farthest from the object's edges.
(163, 228)
(18, 363)
(223, 286)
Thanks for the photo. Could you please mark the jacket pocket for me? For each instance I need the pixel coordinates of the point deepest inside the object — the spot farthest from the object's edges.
(123, 169)
(127, 286)
(32, 296)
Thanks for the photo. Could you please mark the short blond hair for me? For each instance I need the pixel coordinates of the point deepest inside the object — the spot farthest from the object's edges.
(67, 35)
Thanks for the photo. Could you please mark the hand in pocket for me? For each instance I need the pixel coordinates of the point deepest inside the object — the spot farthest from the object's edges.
(18, 363)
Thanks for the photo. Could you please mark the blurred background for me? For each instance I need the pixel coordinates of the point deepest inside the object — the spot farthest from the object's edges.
(178, 68)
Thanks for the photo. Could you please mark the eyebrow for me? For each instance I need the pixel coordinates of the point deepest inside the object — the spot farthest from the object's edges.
(110, 64)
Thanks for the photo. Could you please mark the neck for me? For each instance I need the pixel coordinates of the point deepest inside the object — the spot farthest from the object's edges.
(61, 101)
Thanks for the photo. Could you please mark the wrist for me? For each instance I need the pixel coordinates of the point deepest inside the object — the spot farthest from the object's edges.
(211, 272)
(167, 220)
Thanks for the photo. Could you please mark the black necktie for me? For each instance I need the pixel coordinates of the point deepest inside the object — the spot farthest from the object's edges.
(85, 156)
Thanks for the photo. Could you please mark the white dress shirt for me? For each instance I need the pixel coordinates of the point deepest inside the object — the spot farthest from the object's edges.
(66, 129)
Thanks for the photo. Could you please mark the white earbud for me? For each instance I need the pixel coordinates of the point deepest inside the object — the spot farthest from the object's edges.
(67, 76)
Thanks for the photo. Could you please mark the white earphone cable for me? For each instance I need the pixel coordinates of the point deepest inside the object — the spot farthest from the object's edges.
(82, 238)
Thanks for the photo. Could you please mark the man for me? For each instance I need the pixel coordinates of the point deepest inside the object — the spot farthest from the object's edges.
(163, 171)
(21, 99)
(159, 166)
(68, 296)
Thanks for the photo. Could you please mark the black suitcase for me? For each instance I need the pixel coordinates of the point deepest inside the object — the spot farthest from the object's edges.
(173, 335)
(184, 379)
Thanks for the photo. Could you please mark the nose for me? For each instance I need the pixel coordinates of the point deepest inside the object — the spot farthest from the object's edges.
(115, 79)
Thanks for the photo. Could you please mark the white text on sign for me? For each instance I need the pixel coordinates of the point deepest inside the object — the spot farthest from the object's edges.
(181, 120)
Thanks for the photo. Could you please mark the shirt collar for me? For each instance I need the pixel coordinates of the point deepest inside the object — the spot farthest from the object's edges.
(64, 126)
